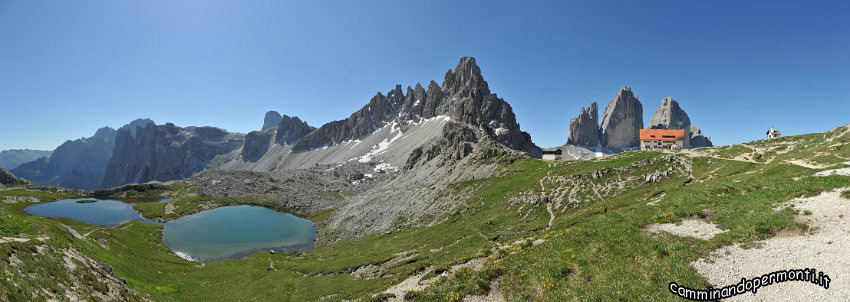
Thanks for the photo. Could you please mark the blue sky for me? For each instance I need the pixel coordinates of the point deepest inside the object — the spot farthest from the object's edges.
(737, 67)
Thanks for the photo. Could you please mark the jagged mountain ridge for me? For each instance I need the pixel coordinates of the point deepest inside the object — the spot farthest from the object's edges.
(391, 126)
(78, 164)
(464, 97)
(165, 152)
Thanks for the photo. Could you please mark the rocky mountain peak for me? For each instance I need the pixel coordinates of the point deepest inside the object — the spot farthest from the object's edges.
(103, 132)
(291, 129)
(466, 79)
(139, 123)
(271, 120)
(584, 129)
(464, 97)
(622, 121)
(670, 116)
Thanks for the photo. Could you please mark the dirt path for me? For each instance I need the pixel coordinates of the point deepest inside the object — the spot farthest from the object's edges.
(416, 283)
(19, 239)
(826, 249)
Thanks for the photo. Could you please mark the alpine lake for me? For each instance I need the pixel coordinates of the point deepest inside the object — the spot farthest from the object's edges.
(230, 232)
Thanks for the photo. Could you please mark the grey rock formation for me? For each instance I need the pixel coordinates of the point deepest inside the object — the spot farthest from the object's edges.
(699, 140)
(271, 120)
(670, 116)
(622, 121)
(77, 164)
(256, 144)
(165, 152)
(360, 124)
(10, 159)
(464, 96)
(584, 129)
(9, 179)
(291, 130)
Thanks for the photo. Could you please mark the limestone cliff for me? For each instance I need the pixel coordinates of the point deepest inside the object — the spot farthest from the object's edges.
(622, 121)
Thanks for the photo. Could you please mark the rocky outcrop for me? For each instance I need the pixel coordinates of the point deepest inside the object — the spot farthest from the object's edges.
(10, 159)
(622, 121)
(9, 179)
(699, 140)
(456, 142)
(256, 145)
(291, 130)
(584, 129)
(165, 152)
(271, 120)
(464, 97)
(77, 164)
(670, 115)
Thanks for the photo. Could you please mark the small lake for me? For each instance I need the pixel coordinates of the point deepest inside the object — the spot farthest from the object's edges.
(234, 232)
(91, 210)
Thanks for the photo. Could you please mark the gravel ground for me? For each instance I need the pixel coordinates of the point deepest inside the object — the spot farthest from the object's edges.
(690, 228)
(825, 249)
(842, 171)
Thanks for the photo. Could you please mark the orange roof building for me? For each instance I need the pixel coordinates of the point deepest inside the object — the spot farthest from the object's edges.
(661, 139)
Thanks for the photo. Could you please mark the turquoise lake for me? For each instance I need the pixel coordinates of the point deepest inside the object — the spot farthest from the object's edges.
(102, 212)
(234, 232)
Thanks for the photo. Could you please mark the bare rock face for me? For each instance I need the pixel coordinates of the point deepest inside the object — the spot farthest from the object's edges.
(256, 144)
(464, 96)
(670, 116)
(7, 178)
(271, 120)
(77, 164)
(291, 130)
(165, 152)
(622, 121)
(584, 129)
(699, 140)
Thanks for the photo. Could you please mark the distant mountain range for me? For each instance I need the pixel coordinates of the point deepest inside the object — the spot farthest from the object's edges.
(10, 159)
(399, 129)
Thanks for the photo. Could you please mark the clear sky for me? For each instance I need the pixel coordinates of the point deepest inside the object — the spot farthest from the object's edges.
(737, 67)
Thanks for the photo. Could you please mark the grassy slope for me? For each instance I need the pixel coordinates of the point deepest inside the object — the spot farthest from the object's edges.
(589, 253)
